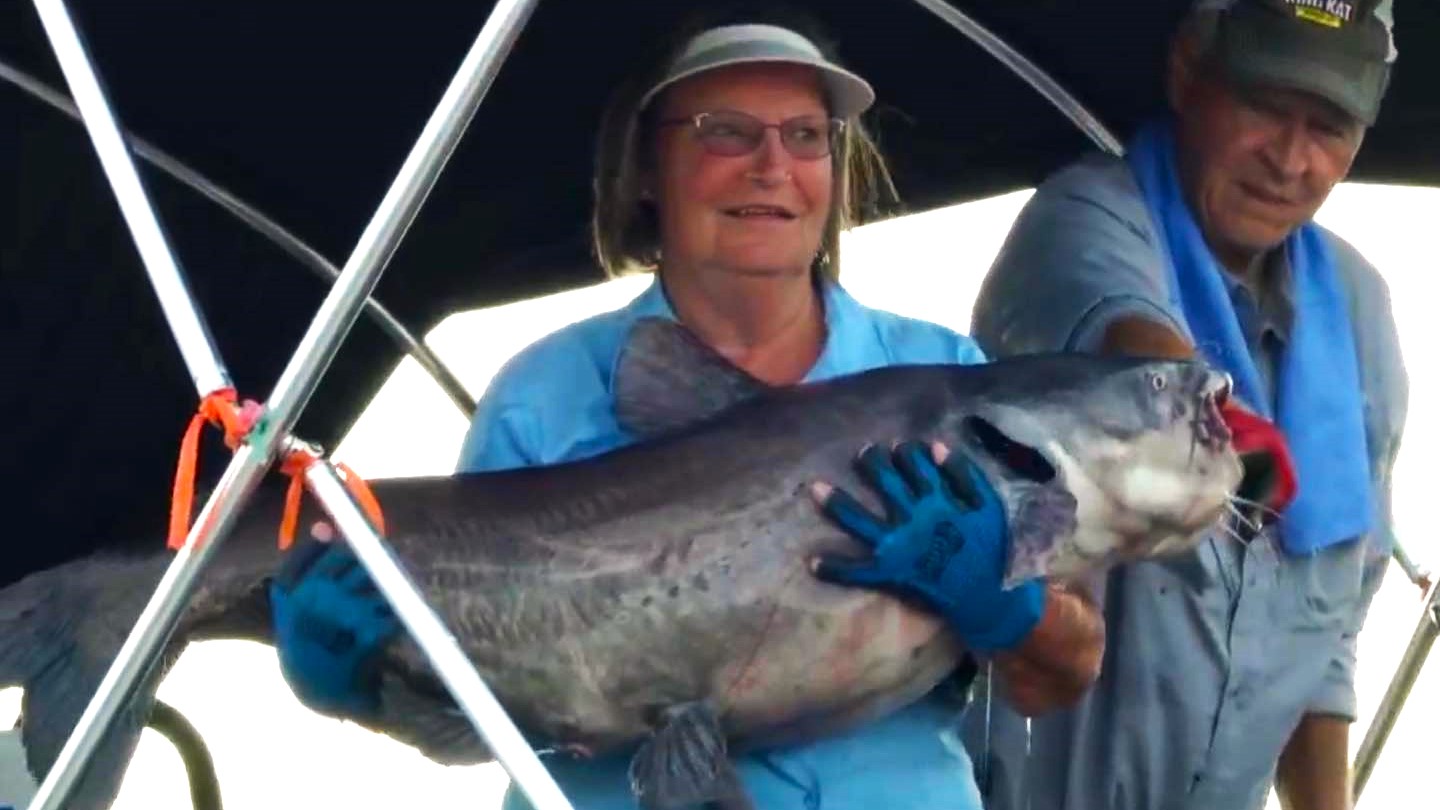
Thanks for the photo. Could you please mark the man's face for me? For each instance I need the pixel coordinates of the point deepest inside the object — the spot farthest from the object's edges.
(1257, 162)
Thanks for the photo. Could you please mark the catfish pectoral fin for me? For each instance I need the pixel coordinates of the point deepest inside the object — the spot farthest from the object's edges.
(685, 766)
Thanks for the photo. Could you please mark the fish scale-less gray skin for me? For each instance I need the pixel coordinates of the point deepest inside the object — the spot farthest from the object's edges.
(599, 598)
(692, 586)
(739, 523)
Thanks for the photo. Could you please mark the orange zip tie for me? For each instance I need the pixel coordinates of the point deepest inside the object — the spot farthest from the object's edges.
(219, 408)
(360, 491)
(295, 465)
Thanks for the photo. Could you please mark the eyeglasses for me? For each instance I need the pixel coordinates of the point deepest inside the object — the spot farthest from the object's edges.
(728, 133)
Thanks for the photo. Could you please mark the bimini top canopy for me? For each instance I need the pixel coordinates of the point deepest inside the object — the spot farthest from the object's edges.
(305, 110)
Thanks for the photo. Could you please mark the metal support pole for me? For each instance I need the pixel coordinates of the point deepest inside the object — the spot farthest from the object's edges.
(287, 241)
(1043, 82)
(1413, 660)
(400, 204)
(196, 344)
(142, 647)
(438, 644)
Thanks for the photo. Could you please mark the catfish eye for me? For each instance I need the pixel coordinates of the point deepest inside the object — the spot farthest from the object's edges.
(1157, 382)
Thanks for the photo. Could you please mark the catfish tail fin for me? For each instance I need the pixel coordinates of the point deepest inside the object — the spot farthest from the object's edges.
(62, 630)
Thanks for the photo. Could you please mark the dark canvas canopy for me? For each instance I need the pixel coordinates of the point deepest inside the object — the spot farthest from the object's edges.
(306, 111)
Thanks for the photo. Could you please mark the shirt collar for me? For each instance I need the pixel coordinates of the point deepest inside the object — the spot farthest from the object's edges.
(652, 303)
(1269, 297)
(847, 340)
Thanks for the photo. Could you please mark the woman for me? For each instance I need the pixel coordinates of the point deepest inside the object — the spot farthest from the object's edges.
(729, 172)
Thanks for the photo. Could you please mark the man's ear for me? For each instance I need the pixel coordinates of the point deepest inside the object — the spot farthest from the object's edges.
(1180, 70)
(1184, 55)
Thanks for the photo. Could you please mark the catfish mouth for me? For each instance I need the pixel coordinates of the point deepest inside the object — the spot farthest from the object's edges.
(1019, 458)
(1210, 429)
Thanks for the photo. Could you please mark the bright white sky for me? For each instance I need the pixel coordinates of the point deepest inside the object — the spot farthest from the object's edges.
(272, 754)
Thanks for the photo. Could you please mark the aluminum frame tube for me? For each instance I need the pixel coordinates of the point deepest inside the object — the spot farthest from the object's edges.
(1411, 662)
(1037, 78)
(442, 132)
(197, 346)
(486, 714)
(397, 209)
(287, 241)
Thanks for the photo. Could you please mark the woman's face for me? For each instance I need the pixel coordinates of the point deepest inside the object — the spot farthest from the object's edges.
(726, 207)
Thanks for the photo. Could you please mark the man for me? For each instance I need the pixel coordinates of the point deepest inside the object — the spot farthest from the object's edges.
(1231, 668)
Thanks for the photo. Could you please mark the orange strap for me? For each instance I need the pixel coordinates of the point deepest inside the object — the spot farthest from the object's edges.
(295, 465)
(220, 409)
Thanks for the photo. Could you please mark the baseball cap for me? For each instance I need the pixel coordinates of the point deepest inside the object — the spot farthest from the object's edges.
(738, 44)
(1340, 50)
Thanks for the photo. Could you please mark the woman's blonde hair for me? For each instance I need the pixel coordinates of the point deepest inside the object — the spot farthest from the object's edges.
(625, 227)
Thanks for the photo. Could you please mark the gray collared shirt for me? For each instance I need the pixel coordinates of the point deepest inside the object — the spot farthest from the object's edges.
(1212, 658)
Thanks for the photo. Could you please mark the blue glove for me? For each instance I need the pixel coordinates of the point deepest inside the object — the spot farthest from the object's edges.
(331, 623)
(943, 544)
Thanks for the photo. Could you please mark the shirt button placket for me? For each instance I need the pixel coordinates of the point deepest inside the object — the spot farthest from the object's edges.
(1246, 640)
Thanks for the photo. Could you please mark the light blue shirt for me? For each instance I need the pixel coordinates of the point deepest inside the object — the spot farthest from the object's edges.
(554, 402)
(1212, 658)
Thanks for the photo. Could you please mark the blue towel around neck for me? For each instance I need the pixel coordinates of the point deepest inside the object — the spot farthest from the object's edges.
(1318, 387)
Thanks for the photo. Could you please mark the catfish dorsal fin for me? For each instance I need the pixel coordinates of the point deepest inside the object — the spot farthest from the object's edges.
(666, 379)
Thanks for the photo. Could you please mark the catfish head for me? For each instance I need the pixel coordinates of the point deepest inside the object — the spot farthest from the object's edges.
(1100, 460)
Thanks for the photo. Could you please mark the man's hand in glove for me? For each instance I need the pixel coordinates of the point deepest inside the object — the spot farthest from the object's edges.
(1269, 480)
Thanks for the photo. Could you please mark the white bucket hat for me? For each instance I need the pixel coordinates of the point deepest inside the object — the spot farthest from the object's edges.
(739, 44)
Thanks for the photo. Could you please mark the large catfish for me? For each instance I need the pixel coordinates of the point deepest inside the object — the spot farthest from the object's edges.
(657, 598)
